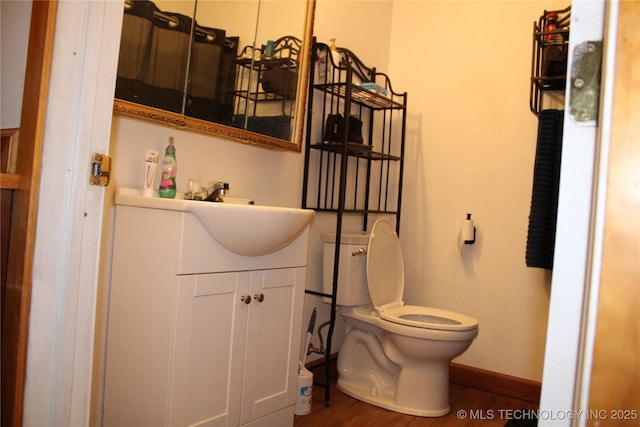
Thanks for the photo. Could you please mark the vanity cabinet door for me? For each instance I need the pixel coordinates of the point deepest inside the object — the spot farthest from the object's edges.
(273, 342)
(235, 347)
(208, 349)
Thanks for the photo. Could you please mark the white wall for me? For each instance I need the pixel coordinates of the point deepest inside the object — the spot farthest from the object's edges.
(471, 143)
(269, 177)
(364, 27)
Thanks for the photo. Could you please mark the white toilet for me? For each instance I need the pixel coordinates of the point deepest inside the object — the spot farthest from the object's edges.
(394, 356)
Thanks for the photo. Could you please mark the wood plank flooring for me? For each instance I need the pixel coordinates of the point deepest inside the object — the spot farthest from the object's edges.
(469, 407)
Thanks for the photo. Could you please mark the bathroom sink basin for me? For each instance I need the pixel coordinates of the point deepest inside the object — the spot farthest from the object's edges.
(250, 230)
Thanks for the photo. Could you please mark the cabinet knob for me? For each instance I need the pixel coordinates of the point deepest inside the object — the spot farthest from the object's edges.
(259, 297)
(246, 299)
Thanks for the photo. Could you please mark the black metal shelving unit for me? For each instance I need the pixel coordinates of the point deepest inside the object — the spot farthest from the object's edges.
(342, 176)
(255, 67)
(549, 56)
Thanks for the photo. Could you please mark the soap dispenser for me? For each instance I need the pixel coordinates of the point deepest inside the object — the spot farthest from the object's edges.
(169, 169)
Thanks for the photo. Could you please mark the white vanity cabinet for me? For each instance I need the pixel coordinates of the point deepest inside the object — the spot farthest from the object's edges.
(198, 335)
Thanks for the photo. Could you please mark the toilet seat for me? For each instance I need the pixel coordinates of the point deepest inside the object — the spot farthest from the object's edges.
(429, 318)
(385, 279)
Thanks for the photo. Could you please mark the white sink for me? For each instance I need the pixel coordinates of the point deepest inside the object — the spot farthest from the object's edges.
(250, 230)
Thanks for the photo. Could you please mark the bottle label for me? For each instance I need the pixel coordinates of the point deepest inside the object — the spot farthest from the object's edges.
(168, 179)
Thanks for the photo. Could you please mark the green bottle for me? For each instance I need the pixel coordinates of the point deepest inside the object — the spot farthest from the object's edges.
(169, 169)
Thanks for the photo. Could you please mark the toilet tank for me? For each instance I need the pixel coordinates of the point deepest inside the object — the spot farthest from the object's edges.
(352, 272)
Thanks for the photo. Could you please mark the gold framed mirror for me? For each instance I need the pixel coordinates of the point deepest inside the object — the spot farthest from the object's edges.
(233, 69)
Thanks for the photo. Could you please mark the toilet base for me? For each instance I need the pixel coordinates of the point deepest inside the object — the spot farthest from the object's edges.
(366, 371)
(385, 400)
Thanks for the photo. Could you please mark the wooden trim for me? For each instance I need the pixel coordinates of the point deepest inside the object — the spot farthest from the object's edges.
(9, 181)
(615, 371)
(180, 121)
(495, 382)
(9, 156)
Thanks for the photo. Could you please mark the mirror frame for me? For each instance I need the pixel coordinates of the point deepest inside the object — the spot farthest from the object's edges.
(171, 119)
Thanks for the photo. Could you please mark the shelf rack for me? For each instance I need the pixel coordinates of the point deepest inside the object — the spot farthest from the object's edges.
(346, 177)
(549, 56)
(258, 107)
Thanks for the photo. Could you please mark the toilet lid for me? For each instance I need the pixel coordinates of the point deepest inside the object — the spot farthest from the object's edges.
(385, 269)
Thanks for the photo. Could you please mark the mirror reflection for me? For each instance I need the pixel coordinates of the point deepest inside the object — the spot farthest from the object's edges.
(154, 52)
(232, 63)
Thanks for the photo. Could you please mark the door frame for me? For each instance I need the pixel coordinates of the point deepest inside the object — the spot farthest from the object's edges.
(69, 222)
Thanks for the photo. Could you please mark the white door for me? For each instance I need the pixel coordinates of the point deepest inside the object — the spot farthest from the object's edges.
(273, 342)
(578, 184)
(208, 349)
(68, 236)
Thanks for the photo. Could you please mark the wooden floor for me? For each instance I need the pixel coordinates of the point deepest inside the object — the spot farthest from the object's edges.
(469, 407)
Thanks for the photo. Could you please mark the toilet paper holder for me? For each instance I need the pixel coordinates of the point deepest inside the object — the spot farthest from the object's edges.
(468, 231)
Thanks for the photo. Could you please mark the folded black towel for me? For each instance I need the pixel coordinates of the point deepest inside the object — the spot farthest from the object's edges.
(546, 182)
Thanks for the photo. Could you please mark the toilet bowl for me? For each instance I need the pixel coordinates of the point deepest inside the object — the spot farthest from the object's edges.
(395, 356)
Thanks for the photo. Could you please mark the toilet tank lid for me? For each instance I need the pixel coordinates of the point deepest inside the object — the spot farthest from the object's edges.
(347, 237)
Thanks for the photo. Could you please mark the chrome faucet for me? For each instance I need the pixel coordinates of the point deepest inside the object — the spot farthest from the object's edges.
(216, 190)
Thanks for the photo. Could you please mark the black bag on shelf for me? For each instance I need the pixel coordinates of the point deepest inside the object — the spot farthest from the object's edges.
(355, 130)
(334, 129)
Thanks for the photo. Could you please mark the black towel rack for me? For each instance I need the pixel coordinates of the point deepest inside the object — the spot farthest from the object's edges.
(549, 55)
